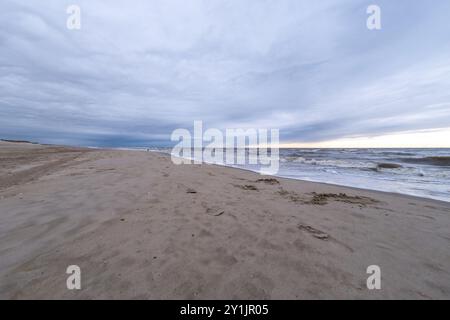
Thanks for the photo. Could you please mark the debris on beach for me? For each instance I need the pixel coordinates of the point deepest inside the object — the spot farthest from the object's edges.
(269, 181)
(247, 187)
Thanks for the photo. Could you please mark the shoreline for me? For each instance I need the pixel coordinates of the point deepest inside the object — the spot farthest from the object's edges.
(303, 180)
(141, 227)
(343, 186)
(150, 149)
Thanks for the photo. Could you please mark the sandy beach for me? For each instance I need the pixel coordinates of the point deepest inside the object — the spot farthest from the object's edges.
(140, 227)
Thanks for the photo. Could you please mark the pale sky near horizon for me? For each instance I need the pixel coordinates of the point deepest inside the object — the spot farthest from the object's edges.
(139, 69)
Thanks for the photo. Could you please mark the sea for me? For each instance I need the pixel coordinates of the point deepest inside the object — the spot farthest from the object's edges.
(417, 172)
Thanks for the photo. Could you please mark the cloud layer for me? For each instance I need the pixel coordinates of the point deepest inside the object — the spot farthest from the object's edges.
(139, 69)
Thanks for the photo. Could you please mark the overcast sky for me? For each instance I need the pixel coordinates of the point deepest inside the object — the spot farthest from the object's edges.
(139, 69)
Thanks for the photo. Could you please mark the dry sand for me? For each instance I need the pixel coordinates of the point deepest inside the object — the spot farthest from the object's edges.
(140, 227)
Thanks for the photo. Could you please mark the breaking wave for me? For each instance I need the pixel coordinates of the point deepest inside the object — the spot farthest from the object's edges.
(442, 161)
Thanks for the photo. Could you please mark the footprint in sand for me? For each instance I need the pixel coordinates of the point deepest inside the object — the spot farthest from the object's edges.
(314, 232)
(214, 212)
(247, 187)
(269, 181)
(190, 190)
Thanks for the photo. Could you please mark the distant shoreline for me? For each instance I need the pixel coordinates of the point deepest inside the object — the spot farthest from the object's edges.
(18, 141)
(281, 148)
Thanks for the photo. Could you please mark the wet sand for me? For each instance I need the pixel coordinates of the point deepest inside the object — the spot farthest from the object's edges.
(140, 227)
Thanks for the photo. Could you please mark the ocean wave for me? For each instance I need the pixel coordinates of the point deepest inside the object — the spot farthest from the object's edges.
(396, 153)
(441, 161)
(385, 165)
(331, 163)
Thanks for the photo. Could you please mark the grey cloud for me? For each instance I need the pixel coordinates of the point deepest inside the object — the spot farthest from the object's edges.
(136, 71)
